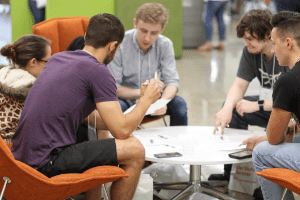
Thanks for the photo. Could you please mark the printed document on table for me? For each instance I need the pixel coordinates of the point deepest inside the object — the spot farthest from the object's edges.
(155, 106)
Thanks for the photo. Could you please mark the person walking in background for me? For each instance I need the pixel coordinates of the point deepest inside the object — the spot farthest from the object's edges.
(287, 5)
(27, 57)
(260, 4)
(37, 8)
(213, 8)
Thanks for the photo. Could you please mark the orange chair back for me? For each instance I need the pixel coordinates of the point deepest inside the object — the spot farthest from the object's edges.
(61, 31)
(28, 183)
(286, 178)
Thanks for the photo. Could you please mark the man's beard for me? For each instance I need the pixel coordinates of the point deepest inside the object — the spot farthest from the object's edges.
(109, 57)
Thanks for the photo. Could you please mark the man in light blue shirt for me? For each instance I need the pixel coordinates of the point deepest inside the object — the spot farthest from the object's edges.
(144, 54)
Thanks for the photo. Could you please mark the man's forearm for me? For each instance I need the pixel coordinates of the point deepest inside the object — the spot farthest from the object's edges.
(169, 92)
(235, 93)
(128, 93)
(111, 113)
(268, 104)
(277, 125)
(233, 96)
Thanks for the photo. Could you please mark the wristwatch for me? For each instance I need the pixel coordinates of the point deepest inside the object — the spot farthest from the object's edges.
(261, 105)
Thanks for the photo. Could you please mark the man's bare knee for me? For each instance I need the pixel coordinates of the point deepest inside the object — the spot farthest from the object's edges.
(130, 149)
(137, 148)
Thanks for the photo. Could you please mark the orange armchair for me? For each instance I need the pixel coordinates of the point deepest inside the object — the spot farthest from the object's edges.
(286, 178)
(20, 181)
(61, 31)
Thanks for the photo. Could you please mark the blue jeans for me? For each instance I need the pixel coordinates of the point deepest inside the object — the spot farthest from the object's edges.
(176, 108)
(285, 155)
(211, 9)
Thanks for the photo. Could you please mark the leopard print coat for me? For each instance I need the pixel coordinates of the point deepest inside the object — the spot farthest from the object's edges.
(14, 86)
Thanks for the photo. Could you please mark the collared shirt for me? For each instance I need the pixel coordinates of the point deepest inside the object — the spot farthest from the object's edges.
(131, 66)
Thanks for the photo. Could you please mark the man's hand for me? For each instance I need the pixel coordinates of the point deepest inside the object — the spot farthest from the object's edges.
(291, 130)
(143, 87)
(161, 85)
(160, 111)
(245, 106)
(251, 142)
(222, 119)
(151, 91)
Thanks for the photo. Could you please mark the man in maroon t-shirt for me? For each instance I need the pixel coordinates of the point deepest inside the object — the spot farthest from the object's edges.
(72, 85)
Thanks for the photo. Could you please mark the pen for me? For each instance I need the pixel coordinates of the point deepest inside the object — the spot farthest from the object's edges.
(163, 137)
(221, 137)
(167, 145)
(155, 75)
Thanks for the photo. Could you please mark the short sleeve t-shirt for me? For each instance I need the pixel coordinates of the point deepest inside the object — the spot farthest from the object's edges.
(286, 94)
(63, 95)
(250, 67)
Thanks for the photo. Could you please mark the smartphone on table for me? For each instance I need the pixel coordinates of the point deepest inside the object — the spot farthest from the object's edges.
(167, 155)
(241, 154)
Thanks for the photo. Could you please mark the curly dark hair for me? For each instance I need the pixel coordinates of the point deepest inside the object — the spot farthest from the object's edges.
(257, 23)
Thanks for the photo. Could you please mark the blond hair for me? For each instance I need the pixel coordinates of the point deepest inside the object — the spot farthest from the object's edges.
(153, 13)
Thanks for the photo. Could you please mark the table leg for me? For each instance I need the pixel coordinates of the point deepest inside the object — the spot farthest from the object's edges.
(195, 189)
(194, 186)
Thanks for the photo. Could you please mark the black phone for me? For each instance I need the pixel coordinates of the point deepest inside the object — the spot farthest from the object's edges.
(241, 154)
(167, 155)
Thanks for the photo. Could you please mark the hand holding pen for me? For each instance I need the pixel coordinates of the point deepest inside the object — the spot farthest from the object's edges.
(157, 77)
(150, 90)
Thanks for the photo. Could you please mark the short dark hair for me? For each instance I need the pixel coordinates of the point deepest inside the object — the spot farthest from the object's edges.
(103, 29)
(287, 23)
(26, 48)
(257, 23)
(76, 44)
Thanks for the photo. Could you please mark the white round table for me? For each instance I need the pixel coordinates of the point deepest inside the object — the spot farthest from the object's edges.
(198, 146)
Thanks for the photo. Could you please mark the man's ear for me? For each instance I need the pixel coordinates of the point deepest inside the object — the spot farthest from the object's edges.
(289, 43)
(112, 45)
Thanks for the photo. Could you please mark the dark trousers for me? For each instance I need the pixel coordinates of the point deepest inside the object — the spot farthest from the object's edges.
(38, 13)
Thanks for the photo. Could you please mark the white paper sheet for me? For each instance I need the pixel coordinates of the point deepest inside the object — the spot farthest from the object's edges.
(155, 106)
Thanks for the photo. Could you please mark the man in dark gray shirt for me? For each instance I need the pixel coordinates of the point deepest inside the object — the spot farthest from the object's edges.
(257, 61)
